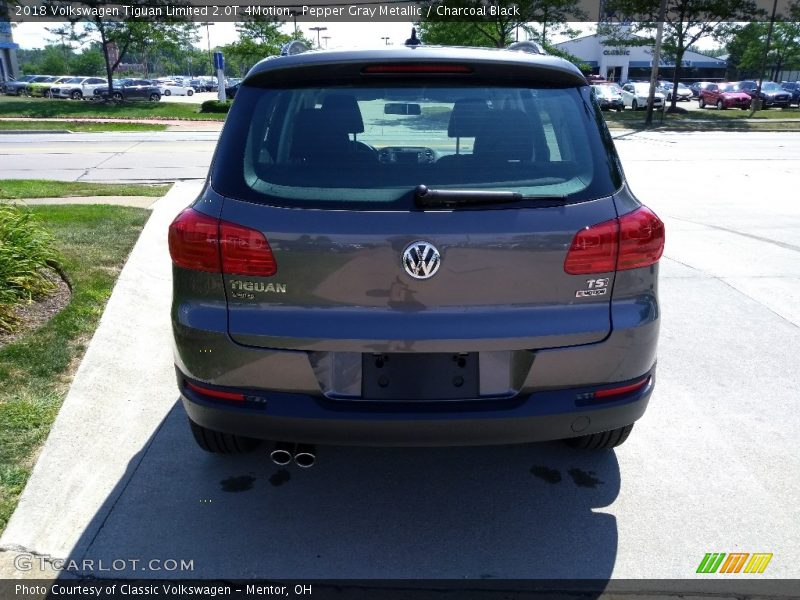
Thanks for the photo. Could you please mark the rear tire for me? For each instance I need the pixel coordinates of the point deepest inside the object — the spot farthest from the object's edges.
(720, 105)
(155, 97)
(76, 95)
(189, 92)
(217, 442)
(702, 102)
(602, 440)
(634, 105)
(167, 93)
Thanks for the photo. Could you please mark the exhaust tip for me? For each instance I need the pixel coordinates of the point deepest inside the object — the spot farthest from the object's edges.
(282, 454)
(305, 456)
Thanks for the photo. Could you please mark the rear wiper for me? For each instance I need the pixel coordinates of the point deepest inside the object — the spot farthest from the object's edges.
(425, 197)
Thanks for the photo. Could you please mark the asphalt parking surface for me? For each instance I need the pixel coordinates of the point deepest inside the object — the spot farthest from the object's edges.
(712, 466)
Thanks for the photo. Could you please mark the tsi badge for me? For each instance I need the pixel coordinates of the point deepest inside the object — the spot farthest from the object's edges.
(421, 260)
(594, 287)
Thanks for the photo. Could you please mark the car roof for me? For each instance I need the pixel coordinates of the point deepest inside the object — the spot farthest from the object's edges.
(420, 55)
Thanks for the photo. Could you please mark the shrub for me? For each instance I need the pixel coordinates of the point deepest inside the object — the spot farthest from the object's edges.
(26, 252)
(215, 106)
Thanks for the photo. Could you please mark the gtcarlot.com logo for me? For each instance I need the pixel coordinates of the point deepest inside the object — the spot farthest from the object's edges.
(29, 562)
(735, 562)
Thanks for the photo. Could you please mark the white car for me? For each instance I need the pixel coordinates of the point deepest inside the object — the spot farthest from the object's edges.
(634, 95)
(168, 88)
(684, 93)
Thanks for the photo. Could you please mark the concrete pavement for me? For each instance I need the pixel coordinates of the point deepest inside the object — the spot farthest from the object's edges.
(711, 466)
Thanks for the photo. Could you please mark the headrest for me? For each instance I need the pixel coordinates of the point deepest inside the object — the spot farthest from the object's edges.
(510, 136)
(344, 109)
(468, 117)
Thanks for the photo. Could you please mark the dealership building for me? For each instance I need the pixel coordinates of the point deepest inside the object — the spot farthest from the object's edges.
(621, 63)
(8, 53)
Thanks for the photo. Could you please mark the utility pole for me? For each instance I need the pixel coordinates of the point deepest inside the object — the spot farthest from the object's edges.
(385, 40)
(662, 12)
(326, 38)
(208, 24)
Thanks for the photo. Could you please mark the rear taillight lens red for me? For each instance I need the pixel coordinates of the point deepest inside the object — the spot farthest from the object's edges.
(641, 239)
(593, 249)
(245, 251)
(202, 243)
(193, 241)
(633, 240)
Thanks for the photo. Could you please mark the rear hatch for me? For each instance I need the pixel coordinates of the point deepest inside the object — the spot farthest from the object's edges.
(330, 175)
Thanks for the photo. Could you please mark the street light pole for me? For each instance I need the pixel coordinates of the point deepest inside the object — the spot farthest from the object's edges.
(326, 38)
(662, 12)
(318, 29)
(208, 24)
(385, 40)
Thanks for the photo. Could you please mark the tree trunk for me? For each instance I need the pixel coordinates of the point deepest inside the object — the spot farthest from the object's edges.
(109, 71)
(676, 77)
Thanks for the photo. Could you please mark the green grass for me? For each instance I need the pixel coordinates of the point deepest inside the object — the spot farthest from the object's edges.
(51, 108)
(94, 242)
(707, 119)
(15, 189)
(79, 126)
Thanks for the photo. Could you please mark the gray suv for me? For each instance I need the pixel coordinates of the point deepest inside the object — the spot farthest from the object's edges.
(414, 247)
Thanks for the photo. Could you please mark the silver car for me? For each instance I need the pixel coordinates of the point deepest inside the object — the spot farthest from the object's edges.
(414, 247)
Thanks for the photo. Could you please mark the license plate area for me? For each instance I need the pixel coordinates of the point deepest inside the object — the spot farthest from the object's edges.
(419, 376)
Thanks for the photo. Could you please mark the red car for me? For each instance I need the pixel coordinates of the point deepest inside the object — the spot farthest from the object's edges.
(724, 95)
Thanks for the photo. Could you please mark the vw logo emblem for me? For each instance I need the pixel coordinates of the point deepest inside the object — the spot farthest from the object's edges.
(421, 260)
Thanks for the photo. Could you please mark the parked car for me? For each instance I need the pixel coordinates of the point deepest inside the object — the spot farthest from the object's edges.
(77, 87)
(684, 94)
(698, 86)
(793, 87)
(609, 97)
(344, 278)
(43, 88)
(32, 86)
(130, 89)
(168, 88)
(771, 93)
(230, 91)
(724, 95)
(18, 86)
(634, 96)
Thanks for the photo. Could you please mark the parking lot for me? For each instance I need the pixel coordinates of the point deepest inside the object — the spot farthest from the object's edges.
(710, 468)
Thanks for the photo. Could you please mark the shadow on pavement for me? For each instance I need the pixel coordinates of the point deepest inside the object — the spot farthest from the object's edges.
(513, 512)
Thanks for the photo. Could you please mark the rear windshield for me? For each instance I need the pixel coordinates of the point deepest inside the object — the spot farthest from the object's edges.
(372, 146)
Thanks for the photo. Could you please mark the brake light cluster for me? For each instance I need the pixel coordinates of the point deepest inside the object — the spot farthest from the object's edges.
(203, 243)
(628, 242)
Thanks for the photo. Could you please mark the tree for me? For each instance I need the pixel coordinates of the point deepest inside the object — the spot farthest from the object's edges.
(746, 48)
(117, 38)
(260, 37)
(496, 31)
(686, 22)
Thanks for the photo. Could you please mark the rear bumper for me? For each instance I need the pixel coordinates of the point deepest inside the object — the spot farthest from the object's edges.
(540, 416)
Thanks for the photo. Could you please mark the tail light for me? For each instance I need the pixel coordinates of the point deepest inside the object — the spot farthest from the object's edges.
(628, 242)
(202, 243)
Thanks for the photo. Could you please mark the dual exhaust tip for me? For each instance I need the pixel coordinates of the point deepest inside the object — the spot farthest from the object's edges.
(304, 455)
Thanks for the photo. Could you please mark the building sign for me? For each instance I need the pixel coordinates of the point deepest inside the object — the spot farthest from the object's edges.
(5, 28)
(617, 52)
